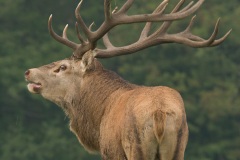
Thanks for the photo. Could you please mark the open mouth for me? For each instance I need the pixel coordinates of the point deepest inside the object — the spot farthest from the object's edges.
(34, 87)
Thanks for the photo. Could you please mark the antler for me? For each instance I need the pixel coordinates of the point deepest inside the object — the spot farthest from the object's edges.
(114, 18)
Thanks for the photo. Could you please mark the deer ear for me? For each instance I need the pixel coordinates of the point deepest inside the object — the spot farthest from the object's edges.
(87, 62)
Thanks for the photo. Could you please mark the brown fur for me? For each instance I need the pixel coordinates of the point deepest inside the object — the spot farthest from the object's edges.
(111, 116)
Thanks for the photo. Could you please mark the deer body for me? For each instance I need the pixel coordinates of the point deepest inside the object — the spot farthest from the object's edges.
(109, 115)
(145, 124)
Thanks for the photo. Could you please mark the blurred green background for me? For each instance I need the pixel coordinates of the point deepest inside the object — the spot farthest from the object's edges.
(208, 79)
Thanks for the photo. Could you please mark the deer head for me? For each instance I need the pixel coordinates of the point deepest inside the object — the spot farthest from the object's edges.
(52, 80)
(119, 119)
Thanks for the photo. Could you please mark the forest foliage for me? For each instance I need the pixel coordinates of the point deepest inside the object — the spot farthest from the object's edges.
(207, 78)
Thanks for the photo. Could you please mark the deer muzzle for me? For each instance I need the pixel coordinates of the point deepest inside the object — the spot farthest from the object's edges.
(33, 86)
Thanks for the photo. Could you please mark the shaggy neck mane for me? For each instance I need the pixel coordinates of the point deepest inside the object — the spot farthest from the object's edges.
(95, 94)
(87, 107)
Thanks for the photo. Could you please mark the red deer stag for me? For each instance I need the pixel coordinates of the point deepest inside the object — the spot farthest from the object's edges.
(108, 114)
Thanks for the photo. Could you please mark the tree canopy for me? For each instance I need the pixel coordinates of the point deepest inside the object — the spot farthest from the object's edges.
(207, 78)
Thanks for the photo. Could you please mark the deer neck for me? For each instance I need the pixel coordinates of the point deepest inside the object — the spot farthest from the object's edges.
(88, 106)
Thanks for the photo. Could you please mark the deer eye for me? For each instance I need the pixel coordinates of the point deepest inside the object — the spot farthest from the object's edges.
(61, 68)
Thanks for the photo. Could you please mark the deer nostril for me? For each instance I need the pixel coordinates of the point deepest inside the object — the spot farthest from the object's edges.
(27, 72)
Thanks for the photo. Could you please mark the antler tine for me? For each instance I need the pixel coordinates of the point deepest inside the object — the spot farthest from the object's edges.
(115, 10)
(81, 22)
(91, 25)
(220, 40)
(187, 7)
(212, 41)
(188, 31)
(78, 34)
(107, 9)
(190, 24)
(213, 36)
(64, 35)
(159, 9)
(107, 42)
(177, 7)
(58, 38)
(146, 30)
(126, 7)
